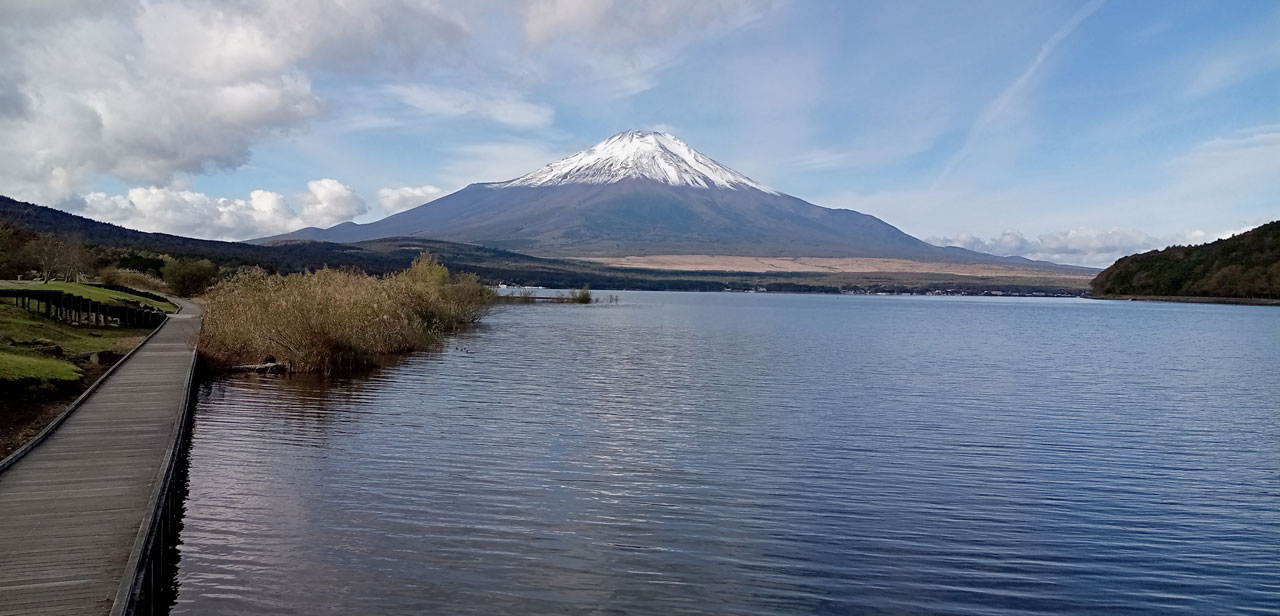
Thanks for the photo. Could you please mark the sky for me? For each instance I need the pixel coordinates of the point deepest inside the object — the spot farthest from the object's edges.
(1072, 131)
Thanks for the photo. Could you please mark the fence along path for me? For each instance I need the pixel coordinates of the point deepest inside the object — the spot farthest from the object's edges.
(73, 308)
(77, 510)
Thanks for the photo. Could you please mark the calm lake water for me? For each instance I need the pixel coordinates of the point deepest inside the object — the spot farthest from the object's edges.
(759, 454)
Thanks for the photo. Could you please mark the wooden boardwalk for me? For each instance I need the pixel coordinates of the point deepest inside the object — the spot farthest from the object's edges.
(75, 509)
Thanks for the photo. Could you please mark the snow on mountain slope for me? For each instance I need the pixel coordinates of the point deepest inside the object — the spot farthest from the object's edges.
(647, 193)
(638, 155)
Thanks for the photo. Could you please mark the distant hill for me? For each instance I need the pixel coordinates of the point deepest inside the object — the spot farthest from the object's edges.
(1244, 266)
(285, 257)
(114, 243)
(647, 193)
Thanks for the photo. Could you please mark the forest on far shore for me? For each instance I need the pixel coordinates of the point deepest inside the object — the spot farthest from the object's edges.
(1245, 266)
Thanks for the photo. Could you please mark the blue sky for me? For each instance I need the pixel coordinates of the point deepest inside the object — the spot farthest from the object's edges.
(1072, 131)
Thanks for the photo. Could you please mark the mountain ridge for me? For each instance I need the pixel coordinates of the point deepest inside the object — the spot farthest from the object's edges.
(647, 193)
(141, 250)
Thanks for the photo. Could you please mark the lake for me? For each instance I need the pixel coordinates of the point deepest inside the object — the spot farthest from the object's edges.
(683, 453)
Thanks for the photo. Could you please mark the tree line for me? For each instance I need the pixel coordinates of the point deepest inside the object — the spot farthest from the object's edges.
(30, 255)
(1243, 266)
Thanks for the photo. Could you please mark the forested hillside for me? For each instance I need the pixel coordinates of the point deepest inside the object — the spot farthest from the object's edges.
(140, 250)
(1244, 266)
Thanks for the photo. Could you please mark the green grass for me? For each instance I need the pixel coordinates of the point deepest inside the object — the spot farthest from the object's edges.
(99, 294)
(22, 326)
(19, 366)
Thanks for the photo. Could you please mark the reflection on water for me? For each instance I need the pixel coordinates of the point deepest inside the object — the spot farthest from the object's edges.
(758, 454)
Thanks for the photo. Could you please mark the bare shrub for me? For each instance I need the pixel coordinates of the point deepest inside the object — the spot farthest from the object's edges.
(333, 320)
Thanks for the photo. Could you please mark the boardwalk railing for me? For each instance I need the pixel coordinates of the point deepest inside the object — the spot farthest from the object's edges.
(85, 515)
(72, 308)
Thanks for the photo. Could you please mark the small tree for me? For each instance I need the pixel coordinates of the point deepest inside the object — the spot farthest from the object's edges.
(58, 256)
(188, 278)
(76, 260)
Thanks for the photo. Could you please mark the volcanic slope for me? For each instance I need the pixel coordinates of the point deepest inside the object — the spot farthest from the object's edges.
(647, 193)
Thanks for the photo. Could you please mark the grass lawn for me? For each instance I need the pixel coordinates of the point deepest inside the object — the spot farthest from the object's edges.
(21, 325)
(19, 363)
(99, 294)
(19, 366)
(35, 387)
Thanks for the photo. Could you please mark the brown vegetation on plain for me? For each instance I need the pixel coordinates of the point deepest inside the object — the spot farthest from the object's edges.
(728, 263)
(335, 320)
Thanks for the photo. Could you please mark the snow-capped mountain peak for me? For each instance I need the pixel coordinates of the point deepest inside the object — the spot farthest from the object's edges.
(639, 155)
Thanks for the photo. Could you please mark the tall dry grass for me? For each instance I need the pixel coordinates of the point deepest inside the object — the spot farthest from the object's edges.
(131, 278)
(334, 320)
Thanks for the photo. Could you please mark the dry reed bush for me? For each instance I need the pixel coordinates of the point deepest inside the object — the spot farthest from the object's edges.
(332, 320)
(131, 278)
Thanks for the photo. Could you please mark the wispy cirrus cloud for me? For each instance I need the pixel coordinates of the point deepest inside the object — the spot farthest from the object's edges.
(504, 107)
(1006, 102)
(1236, 60)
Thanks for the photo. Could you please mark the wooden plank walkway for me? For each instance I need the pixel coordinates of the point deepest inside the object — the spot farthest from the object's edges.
(72, 509)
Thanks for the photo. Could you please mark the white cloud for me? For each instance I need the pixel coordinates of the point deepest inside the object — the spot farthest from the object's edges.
(194, 214)
(328, 202)
(144, 91)
(502, 107)
(1079, 246)
(395, 200)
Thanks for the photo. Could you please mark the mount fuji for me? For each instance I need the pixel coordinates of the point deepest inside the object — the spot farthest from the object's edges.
(646, 193)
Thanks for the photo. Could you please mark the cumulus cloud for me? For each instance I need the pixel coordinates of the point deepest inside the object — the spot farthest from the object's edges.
(145, 91)
(194, 214)
(329, 202)
(1079, 246)
(395, 200)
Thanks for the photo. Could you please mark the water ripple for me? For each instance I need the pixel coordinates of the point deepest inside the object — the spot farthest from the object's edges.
(738, 454)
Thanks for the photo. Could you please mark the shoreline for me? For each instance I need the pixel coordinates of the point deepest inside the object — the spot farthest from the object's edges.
(1179, 299)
